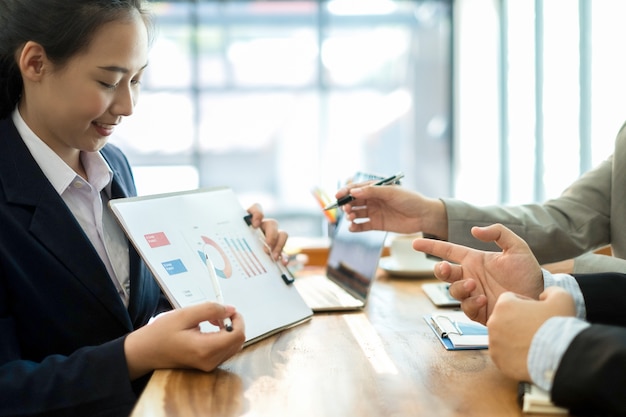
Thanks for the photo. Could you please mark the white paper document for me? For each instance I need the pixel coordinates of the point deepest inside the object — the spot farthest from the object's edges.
(175, 233)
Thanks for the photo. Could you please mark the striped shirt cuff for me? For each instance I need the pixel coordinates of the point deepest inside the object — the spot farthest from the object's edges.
(555, 335)
(569, 284)
(548, 347)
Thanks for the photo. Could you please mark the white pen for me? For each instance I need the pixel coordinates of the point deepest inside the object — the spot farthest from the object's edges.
(217, 289)
(284, 272)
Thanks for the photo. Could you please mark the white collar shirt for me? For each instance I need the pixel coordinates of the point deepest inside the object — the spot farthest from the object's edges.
(88, 202)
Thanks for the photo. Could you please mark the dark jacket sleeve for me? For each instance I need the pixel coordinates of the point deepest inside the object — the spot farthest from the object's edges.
(91, 381)
(591, 378)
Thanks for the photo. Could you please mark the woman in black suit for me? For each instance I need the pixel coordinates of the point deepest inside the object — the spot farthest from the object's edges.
(75, 297)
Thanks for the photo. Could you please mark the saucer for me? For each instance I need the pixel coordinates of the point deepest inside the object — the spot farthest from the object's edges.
(388, 264)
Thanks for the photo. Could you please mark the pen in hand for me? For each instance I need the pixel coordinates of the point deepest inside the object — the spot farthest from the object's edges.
(346, 199)
(217, 289)
(284, 272)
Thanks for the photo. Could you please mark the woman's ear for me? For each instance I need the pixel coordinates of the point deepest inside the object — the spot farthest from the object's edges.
(32, 61)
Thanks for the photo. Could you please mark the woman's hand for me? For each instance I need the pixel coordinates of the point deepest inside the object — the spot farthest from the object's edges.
(174, 340)
(274, 237)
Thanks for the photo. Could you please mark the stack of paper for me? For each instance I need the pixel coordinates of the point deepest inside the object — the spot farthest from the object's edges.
(535, 400)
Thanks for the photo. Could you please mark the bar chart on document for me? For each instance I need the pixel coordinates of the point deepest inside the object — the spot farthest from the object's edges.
(234, 254)
(229, 252)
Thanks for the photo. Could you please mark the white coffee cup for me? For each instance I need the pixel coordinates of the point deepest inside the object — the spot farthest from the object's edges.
(404, 256)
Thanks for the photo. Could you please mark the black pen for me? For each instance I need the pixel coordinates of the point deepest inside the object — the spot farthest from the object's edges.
(346, 199)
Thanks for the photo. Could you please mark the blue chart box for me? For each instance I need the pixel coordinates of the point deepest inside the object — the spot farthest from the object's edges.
(174, 267)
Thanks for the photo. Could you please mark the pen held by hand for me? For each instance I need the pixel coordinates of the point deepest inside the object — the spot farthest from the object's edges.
(394, 179)
(228, 324)
(217, 289)
(340, 202)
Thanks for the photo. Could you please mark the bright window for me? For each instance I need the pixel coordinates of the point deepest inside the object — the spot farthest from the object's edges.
(273, 98)
(538, 95)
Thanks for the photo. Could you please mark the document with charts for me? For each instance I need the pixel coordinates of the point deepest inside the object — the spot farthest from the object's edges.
(175, 233)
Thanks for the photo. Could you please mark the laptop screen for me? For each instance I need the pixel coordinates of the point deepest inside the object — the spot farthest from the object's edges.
(353, 258)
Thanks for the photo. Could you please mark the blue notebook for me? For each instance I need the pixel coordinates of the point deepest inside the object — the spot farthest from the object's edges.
(456, 331)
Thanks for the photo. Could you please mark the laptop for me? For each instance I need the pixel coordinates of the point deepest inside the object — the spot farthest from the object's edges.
(350, 271)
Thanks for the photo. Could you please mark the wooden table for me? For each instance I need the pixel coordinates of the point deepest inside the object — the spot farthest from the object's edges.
(383, 361)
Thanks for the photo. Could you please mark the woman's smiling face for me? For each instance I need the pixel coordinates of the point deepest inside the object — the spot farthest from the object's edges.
(76, 108)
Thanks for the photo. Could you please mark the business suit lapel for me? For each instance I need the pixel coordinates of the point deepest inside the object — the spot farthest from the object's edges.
(52, 223)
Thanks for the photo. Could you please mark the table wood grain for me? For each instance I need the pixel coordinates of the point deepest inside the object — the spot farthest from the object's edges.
(382, 361)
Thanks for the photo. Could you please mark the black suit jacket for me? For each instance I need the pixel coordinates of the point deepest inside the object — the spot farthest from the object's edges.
(62, 322)
(591, 378)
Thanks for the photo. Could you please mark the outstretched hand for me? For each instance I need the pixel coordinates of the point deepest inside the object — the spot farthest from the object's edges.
(478, 277)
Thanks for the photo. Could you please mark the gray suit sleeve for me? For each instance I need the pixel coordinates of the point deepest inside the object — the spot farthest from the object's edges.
(589, 263)
(576, 222)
